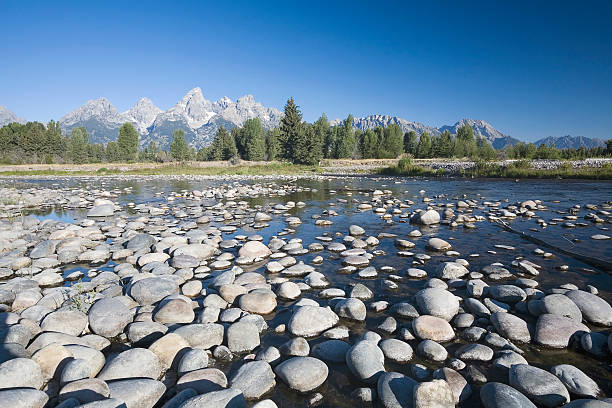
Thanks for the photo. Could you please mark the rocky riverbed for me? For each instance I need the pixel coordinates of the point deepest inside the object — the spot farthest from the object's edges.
(299, 292)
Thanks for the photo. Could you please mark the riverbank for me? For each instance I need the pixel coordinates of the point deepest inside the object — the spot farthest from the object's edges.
(599, 169)
(149, 169)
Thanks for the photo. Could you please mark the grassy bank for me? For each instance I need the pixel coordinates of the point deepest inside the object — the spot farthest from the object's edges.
(268, 169)
(518, 170)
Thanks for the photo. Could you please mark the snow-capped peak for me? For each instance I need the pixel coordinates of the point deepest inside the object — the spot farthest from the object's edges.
(143, 113)
(194, 108)
(100, 108)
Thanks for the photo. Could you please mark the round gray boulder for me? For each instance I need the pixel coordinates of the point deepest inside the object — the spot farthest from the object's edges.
(108, 317)
(437, 302)
(366, 361)
(254, 379)
(539, 385)
(498, 395)
(302, 374)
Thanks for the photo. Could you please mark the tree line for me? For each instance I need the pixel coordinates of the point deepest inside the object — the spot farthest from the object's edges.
(294, 140)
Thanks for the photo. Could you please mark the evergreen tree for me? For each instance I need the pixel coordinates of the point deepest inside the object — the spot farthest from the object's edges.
(78, 142)
(222, 148)
(240, 141)
(97, 153)
(331, 140)
(391, 143)
(424, 147)
(9, 135)
(410, 142)
(308, 148)
(127, 142)
(445, 145)
(179, 150)
(346, 145)
(255, 140)
(290, 128)
(465, 145)
(55, 141)
(272, 144)
(112, 152)
(322, 130)
(151, 152)
(485, 150)
(369, 145)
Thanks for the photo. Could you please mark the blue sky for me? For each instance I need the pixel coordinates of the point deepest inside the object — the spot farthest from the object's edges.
(531, 69)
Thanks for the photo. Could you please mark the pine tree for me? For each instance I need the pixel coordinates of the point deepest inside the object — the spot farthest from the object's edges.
(331, 140)
(322, 129)
(179, 150)
(255, 140)
(346, 144)
(112, 152)
(127, 142)
(465, 145)
(56, 143)
(391, 144)
(78, 143)
(151, 153)
(272, 145)
(445, 145)
(240, 141)
(410, 142)
(369, 145)
(308, 147)
(290, 128)
(424, 146)
(222, 148)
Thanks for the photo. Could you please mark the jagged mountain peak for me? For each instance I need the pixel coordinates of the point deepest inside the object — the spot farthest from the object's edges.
(246, 100)
(200, 118)
(222, 103)
(142, 114)
(101, 109)
(194, 97)
(567, 141)
(7, 116)
(193, 108)
(481, 128)
(373, 121)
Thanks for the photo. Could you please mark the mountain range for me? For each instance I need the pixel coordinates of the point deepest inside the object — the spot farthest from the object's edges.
(201, 118)
(198, 117)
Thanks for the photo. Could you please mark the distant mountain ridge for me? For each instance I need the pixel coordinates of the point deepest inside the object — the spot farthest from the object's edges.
(481, 128)
(567, 141)
(201, 118)
(198, 117)
(6, 116)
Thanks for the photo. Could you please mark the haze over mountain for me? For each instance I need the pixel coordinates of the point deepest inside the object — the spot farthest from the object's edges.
(201, 118)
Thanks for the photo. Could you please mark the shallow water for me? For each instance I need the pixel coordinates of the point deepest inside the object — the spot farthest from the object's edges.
(473, 244)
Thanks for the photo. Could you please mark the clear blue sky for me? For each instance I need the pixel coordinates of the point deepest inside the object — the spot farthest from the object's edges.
(531, 69)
